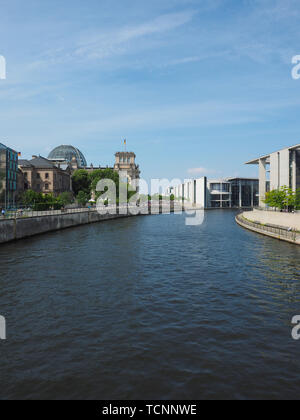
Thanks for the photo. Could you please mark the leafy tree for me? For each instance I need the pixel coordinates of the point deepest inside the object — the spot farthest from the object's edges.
(100, 174)
(41, 202)
(290, 197)
(81, 181)
(30, 197)
(297, 200)
(283, 198)
(66, 198)
(276, 199)
(82, 198)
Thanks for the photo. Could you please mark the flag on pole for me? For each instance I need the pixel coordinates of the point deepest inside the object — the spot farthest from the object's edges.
(124, 141)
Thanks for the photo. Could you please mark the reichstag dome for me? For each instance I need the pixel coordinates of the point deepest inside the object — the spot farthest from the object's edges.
(66, 154)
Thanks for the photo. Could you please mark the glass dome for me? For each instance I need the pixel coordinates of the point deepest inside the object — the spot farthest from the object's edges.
(66, 153)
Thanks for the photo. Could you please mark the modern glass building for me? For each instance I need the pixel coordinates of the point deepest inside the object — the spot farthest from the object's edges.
(244, 192)
(221, 193)
(8, 176)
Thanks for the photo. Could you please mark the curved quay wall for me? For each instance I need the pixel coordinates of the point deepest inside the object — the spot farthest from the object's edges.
(24, 227)
(274, 231)
(19, 228)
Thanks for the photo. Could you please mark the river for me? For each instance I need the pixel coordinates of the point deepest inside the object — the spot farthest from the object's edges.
(149, 308)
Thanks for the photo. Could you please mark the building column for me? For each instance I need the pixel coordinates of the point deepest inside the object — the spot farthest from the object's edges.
(252, 194)
(240, 194)
(294, 171)
(262, 182)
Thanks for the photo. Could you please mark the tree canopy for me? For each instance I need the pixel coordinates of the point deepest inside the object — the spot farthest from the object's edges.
(283, 198)
(81, 181)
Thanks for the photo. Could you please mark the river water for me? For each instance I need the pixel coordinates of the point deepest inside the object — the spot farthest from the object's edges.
(149, 308)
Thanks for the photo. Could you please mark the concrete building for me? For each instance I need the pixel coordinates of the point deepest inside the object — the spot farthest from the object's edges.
(8, 176)
(219, 193)
(277, 170)
(44, 176)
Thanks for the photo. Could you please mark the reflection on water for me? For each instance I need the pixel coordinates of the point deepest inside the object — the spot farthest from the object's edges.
(150, 308)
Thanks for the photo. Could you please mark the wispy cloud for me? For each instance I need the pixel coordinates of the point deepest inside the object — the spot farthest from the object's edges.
(104, 44)
(117, 42)
(200, 171)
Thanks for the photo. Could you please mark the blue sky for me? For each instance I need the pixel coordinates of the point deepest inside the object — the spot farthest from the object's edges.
(197, 87)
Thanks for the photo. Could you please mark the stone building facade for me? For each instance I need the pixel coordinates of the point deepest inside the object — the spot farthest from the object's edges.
(71, 156)
(43, 176)
(125, 163)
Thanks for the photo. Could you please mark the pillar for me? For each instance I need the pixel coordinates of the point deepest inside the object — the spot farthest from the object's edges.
(262, 182)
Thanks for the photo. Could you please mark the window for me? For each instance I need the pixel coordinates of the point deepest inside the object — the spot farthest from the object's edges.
(215, 187)
(47, 176)
(46, 186)
(38, 176)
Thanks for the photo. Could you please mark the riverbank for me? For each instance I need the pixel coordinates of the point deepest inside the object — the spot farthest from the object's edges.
(20, 227)
(282, 226)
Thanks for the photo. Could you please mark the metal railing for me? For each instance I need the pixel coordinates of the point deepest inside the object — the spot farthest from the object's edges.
(273, 210)
(144, 208)
(283, 232)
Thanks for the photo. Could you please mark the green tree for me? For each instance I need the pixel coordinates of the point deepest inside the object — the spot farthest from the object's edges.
(81, 181)
(100, 174)
(82, 198)
(283, 198)
(275, 199)
(290, 197)
(66, 198)
(297, 200)
(30, 197)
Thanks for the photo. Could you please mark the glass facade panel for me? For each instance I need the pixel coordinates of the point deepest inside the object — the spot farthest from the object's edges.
(8, 176)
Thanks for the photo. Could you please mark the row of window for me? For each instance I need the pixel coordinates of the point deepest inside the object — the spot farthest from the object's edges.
(124, 160)
(220, 187)
(12, 185)
(11, 175)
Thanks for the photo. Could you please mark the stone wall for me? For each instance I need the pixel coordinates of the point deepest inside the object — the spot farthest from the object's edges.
(25, 227)
(289, 220)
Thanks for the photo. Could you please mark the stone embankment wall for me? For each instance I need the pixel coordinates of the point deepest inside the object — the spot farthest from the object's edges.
(283, 226)
(19, 228)
(288, 220)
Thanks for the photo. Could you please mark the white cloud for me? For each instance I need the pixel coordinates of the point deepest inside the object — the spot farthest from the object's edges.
(200, 171)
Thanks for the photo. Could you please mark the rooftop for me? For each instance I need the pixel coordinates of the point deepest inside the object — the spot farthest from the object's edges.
(256, 161)
(37, 162)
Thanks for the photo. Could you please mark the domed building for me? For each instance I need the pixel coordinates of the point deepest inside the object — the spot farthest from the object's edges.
(68, 155)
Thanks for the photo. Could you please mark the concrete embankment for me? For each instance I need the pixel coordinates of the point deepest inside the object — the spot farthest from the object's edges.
(19, 228)
(283, 226)
(24, 227)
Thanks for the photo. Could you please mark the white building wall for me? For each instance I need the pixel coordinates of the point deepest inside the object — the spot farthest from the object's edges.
(274, 171)
(201, 192)
(284, 166)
